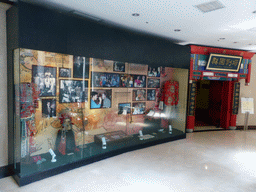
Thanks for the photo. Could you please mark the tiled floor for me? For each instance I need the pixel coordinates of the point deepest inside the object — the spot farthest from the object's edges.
(205, 161)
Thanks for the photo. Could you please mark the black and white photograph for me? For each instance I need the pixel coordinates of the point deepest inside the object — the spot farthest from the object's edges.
(154, 71)
(49, 108)
(101, 98)
(126, 80)
(124, 108)
(138, 108)
(64, 72)
(119, 66)
(73, 91)
(81, 67)
(153, 83)
(45, 79)
(151, 94)
(105, 79)
(139, 81)
(139, 95)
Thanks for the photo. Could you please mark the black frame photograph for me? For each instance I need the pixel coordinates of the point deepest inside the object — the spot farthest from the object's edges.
(153, 83)
(81, 67)
(105, 79)
(73, 91)
(49, 108)
(65, 72)
(139, 81)
(119, 66)
(139, 95)
(124, 108)
(154, 71)
(138, 108)
(45, 79)
(151, 94)
(101, 98)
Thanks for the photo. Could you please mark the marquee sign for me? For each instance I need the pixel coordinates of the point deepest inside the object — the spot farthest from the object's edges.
(227, 63)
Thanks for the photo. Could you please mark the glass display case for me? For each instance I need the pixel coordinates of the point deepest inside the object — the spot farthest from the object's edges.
(73, 110)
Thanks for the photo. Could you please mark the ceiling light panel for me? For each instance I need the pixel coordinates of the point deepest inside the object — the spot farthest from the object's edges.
(210, 6)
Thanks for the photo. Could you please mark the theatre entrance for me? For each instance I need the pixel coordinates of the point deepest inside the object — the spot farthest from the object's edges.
(208, 105)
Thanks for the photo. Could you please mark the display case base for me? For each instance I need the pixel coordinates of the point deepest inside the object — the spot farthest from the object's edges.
(133, 143)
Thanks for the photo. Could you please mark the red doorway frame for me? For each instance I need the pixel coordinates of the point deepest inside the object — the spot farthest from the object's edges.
(228, 119)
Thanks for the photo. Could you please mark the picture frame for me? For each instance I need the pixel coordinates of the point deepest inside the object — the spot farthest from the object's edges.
(119, 66)
(64, 72)
(139, 81)
(81, 67)
(49, 108)
(139, 95)
(126, 80)
(124, 108)
(45, 80)
(153, 83)
(151, 94)
(100, 79)
(101, 98)
(154, 71)
(73, 91)
(138, 108)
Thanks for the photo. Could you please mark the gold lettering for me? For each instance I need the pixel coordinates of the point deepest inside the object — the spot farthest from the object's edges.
(215, 61)
(228, 62)
(222, 61)
(235, 62)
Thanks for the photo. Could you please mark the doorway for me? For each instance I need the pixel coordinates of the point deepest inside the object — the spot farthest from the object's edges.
(208, 103)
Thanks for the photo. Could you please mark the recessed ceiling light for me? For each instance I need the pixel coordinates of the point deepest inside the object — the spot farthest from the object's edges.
(222, 38)
(177, 30)
(147, 22)
(210, 6)
(135, 14)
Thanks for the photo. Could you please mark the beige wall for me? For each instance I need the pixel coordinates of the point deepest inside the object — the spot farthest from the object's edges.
(3, 87)
(248, 91)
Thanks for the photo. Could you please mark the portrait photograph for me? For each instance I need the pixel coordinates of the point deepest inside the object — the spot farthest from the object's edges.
(139, 95)
(105, 79)
(119, 66)
(139, 81)
(126, 80)
(73, 91)
(153, 83)
(45, 79)
(151, 94)
(64, 72)
(101, 98)
(154, 71)
(81, 67)
(49, 108)
(124, 108)
(138, 108)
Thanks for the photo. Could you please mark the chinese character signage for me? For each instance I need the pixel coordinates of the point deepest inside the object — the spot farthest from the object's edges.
(227, 63)
(236, 98)
(192, 96)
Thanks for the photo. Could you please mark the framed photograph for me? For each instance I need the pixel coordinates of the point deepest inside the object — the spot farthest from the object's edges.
(81, 67)
(64, 72)
(105, 79)
(153, 83)
(151, 94)
(138, 108)
(45, 79)
(124, 108)
(73, 91)
(101, 98)
(154, 71)
(139, 95)
(139, 81)
(126, 80)
(49, 108)
(119, 66)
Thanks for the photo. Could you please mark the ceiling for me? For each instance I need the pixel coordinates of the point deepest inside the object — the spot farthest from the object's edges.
(233, 26)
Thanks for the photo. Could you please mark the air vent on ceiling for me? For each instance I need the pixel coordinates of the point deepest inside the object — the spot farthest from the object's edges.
(210, 6)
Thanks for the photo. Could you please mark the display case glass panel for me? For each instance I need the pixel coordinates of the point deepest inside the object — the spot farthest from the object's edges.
(72, 108)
